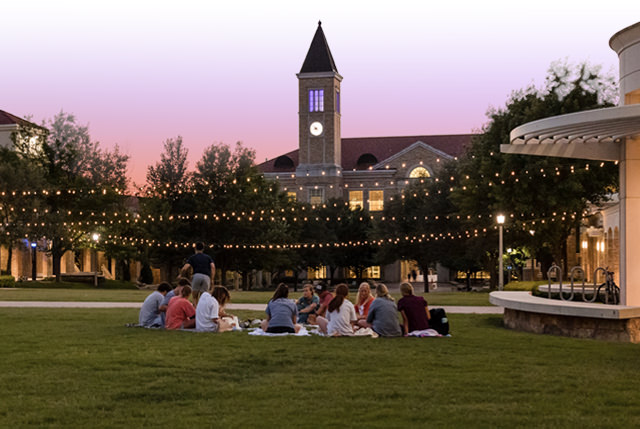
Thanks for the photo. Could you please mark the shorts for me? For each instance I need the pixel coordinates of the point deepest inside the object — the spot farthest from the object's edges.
(280, 330)
(200, 282)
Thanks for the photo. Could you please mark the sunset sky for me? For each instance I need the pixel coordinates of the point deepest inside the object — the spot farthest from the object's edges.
(139, 72)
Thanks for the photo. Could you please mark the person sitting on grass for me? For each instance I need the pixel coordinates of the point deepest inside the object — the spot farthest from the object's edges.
(281, 313)
(210, 311)
(171, 294)
(341, 316)
(325, 298)
(180, 313)
(363, 301)
(383, 314)
(414, 310)
(307, 305)
(151, 307)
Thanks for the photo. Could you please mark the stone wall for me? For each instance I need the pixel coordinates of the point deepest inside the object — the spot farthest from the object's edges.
(623, 330)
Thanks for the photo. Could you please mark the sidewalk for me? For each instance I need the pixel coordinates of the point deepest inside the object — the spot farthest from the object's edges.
(255, 307)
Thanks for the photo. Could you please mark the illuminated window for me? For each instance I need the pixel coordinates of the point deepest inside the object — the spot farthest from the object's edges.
(356, 199)
(316, 196)
(419, 172)
(376, 201)
(292, 195)
(369, 273)
(317, 273)
(372, 272)
(316, 100)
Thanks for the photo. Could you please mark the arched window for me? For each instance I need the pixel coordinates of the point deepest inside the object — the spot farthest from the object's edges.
(419, 172)
(367, 160)
(283, 162)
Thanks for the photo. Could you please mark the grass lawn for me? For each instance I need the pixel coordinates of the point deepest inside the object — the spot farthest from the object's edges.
(83, 368)
(122, 295)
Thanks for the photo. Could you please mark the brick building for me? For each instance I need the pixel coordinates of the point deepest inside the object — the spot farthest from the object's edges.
(366, 171)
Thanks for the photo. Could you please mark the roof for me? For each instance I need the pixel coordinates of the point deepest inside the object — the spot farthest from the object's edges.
(319, 58)
(380, 147)
(7, 118)
(592, 134)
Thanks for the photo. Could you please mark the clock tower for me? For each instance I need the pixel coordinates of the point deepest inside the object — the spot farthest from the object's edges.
(319, 112)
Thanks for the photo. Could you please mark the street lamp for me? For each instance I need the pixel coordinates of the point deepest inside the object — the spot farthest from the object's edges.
(500, 220)
(33, 260)
(94, 256)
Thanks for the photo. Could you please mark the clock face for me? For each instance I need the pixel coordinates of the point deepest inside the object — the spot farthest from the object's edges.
(315, 129)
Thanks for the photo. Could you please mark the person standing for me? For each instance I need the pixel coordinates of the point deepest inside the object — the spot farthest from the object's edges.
(204, 269)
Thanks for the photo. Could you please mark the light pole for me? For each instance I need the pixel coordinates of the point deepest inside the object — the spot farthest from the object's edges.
(500, 220)
(94, 256)
(33, 261)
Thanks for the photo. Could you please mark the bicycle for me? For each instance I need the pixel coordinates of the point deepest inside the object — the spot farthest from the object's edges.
(611, 289)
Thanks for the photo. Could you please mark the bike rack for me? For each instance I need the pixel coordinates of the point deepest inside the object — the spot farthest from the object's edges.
(572, 276)
(595, 285)
(557, 270)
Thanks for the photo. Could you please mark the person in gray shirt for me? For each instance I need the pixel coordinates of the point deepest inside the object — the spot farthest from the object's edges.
(281, 313)
(151, 307)
(383, 314)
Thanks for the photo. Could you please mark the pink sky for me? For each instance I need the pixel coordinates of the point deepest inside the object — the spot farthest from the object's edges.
(140, 72)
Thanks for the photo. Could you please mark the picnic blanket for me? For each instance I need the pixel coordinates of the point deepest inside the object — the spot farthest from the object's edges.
(259, 332)
(424, 333)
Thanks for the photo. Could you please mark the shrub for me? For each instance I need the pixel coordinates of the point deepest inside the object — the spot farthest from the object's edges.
(7, 281)
(146, 275)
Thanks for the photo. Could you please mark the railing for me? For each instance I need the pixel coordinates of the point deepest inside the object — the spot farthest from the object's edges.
(609, 288)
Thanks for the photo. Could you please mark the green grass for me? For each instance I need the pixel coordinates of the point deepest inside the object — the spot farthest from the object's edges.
(524, 286)
(83, 368)
(104, 295)
(51, 284)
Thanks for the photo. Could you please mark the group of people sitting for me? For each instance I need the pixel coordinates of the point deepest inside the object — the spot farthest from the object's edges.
(335, 315)
(171, 308)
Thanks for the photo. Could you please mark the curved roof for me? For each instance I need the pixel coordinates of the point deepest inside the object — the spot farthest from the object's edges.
(593, 134)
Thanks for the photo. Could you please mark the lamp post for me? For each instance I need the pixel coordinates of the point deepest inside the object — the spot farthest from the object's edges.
(94, 256)
(33, 260)
(500, 220)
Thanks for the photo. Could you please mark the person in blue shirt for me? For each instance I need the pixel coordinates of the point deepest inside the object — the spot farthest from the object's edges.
(307, 305)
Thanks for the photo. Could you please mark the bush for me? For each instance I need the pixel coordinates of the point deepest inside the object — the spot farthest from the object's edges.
(7, 281)
(146, 275)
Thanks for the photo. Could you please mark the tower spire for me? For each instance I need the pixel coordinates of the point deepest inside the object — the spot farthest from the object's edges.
(319, 58)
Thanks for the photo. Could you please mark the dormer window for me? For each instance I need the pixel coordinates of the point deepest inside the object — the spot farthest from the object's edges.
(316, 100)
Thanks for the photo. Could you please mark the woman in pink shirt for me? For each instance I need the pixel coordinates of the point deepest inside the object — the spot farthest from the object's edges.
(180, 313)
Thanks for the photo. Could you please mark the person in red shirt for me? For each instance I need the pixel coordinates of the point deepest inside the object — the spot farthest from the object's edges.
(180, 313)
(325, 298)
(364, 300)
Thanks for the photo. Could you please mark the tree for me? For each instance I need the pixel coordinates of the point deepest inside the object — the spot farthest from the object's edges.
(81, 179)
(552, 192)
(18, 203)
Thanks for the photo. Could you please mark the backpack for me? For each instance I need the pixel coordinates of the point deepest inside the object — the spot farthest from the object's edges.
(439, 321)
